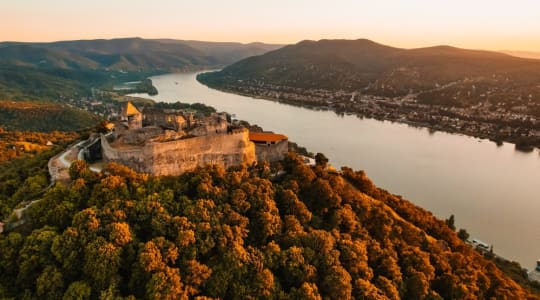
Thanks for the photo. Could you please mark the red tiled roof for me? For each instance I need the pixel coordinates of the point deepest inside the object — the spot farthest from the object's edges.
(266, 137)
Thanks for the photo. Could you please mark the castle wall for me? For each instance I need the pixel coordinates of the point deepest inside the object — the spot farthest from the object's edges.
(210, 127)
(272, 152)
(173, 120)
(179, 156)
(132, 157)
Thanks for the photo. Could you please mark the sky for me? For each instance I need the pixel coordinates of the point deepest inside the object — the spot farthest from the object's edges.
(477, 24)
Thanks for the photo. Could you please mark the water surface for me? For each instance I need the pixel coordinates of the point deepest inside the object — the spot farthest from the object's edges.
(494, 192)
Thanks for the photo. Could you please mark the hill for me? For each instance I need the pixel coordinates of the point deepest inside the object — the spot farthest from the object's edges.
(435, 75)
(30, 83)
(62, 71)
(237, 234)
(128, 54)
(38, 116)
(15, 144)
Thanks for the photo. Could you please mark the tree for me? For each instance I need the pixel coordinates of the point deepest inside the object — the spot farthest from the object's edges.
(321, 160)
(78, 290)
(120, 234)
(166, 284)
(101, 263)
(35, 255)
(463, 234)
(337, 284)
(450, 222)
(50, 284)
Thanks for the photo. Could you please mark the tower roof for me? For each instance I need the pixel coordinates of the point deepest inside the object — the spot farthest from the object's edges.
(129, 109)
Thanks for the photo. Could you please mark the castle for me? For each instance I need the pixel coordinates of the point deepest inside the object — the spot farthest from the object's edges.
(171, 141)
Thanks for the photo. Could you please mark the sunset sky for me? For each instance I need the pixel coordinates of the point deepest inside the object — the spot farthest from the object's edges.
(480, 24)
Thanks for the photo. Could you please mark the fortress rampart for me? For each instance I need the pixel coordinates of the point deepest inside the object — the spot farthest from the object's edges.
(178, 156)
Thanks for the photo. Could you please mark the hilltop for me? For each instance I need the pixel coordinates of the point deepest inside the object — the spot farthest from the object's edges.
(245, 232)
(478, 93)
(369, 68)
(128, 54)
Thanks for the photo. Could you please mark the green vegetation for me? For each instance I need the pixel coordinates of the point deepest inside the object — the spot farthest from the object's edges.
(37, 116)
(22, 178)
(127, 54)
(439, 75)
(73, 72)
(240, 233)
(14, 144)
(145, 86)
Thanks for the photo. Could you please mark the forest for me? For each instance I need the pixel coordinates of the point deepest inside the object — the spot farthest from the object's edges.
(15, 143)
(281, 231)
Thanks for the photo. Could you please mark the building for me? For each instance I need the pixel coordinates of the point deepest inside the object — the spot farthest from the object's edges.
(171, 142)
(269, 146)
(130, 116)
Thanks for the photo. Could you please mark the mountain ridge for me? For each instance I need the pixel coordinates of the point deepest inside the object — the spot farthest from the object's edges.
(374, 69)
(131, 53)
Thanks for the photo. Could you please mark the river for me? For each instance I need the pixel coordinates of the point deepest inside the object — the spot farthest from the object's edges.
(493, 191)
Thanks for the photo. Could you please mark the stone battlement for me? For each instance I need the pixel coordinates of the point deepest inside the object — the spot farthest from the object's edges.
(172, 146)
(178, 156)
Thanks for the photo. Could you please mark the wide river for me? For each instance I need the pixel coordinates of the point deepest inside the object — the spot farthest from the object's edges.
(494, 192)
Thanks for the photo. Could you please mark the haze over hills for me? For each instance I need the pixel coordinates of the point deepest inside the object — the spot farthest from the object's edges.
(522, 54)
(63, 70)
(129, 54)
(437, 75)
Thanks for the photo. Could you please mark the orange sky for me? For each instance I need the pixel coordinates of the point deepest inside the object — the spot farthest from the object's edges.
(480, 24)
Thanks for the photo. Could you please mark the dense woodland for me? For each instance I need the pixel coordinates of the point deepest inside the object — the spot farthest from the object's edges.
(43, 117)
(283, 231)
(286, 231)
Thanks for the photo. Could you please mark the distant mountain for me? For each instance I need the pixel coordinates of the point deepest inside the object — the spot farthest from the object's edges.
(128, 54)
(226, 52)
(435, 74)
(63, 70)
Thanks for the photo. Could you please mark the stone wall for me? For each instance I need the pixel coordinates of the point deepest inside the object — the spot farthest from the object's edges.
(132, 157)
(179, 156)
(168, 119)
(272, 152)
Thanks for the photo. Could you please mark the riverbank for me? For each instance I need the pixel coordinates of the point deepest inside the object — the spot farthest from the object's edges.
(444, 173)
(522, 131)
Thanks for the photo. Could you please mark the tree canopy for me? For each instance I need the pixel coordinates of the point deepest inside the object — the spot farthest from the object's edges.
(296, 232)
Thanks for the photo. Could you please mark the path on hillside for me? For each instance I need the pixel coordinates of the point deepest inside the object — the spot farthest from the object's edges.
(58, 167)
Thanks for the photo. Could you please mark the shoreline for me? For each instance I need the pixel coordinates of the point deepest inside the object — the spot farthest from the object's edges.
(436, 127)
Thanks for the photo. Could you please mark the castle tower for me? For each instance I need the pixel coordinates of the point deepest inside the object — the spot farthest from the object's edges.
(131, 115)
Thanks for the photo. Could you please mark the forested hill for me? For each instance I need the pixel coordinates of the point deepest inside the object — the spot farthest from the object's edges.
(128, 54)
(44, 117)
(59, 71)
(244, 233)
(440, 74)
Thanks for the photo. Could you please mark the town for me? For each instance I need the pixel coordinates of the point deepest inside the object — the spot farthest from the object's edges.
(493, 121)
